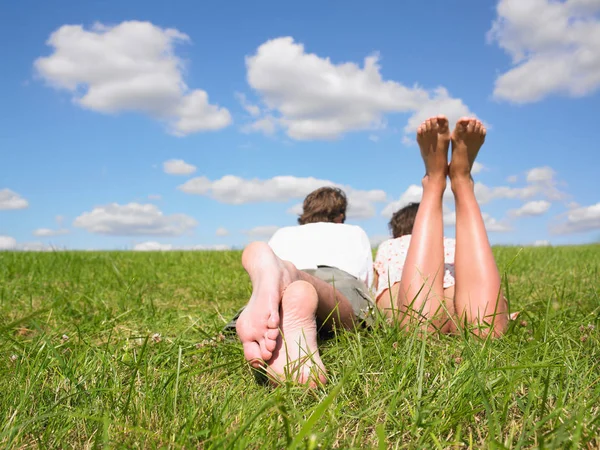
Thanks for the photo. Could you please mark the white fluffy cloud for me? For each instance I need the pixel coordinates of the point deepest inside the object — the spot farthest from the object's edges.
(222, 232)
(131, 66)
(7, 243)
(581, 219)
(541, 243)
(495, 225)
(150, 246)
(554, 45)
(477, 168)
(10, 243)
(11, 200)
(178, 167)
(543, 174)
(262, 232)
(133, 219)
(235, 190)
(412, 194)
(48, 232)
(535, 208)
(250, 108)
(312, 97)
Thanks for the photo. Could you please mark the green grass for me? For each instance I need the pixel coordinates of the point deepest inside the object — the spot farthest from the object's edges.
(119, 350)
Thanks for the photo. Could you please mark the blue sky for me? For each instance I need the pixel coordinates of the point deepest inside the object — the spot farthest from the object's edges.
(192, 125)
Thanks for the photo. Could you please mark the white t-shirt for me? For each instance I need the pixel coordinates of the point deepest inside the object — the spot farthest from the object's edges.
(346, 247)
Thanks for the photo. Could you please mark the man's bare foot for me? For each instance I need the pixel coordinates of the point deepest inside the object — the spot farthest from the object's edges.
(433, 136)
(296, 357)
(258, 325)
(467, 138)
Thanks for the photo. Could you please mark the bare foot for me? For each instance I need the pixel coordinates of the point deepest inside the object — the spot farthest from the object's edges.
(467, 139)
(433, 137)
(296, 357)
(258, 325)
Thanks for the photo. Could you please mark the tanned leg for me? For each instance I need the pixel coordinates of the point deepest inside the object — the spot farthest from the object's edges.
(478, 298)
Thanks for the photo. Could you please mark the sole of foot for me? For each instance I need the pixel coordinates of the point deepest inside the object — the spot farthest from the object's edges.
(296, 357)
(258, 325)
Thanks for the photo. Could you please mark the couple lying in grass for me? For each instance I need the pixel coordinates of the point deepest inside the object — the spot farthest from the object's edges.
(320, 272)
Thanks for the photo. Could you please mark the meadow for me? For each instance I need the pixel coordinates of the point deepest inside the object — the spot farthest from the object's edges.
(123, 350)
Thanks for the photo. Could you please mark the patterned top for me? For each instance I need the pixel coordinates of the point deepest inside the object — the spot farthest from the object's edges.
(391, 256)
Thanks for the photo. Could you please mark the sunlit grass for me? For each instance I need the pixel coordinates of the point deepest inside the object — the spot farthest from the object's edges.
(123, 350)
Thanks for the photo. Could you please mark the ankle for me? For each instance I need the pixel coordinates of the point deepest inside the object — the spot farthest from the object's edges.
(434, 184)
(462, 183)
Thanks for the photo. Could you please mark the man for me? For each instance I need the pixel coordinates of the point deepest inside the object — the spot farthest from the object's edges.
(320, 270)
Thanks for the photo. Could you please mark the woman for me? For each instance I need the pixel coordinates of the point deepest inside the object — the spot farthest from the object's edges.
(440, 283)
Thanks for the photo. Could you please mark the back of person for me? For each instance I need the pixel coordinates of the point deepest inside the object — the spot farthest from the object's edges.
(308, 246)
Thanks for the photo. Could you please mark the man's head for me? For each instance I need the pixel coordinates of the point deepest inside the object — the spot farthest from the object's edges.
(326, 204)
(403, 220)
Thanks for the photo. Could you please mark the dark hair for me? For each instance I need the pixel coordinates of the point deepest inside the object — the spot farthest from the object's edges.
(403, 220)
(326, 204)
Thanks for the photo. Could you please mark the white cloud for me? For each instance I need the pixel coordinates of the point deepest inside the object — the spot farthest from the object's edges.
(131, 66)
(150, 246)
(236, 191)
(296, 210)
(250, 108)
(266, 125)
(154, 197)
(449, 218)
(554, 45)
(10, 243)
(540, 174)
(315, 98)
(582, 219)
(438, 102)
(12, 200)
(222, 232)
(535, 208)
(47, 232)
(133, 219)
(477, 168)
(7, 243)
(412, 194)
(494, 225)
(512, 179)
(373, 138)
(178, 167)
(262, 232)
(541, 243)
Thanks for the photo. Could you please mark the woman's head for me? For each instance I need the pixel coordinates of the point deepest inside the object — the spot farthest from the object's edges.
(327, 204)
(403, 220)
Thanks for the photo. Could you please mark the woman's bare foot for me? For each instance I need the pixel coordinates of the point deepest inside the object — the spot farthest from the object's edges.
(258, 325)
(296, 357)
(467, 138)
(433, 136)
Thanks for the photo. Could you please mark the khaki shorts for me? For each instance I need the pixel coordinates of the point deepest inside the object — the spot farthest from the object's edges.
(352, 288)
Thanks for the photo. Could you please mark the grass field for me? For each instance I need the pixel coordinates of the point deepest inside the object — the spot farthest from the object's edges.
(122, 350)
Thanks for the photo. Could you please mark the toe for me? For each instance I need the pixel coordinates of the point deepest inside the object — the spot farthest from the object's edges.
(471, 126)
(252, 353)
(264, 351)
(272, 334)
(442, 122)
